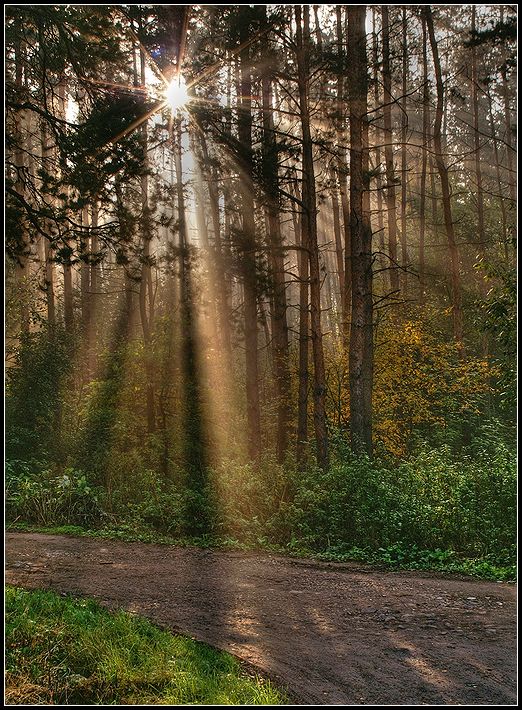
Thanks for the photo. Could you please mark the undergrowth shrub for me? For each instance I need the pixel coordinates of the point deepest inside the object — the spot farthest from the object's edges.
(251, 500)
(433, 500)
(35, 385)
(46, 498)
(415, 511)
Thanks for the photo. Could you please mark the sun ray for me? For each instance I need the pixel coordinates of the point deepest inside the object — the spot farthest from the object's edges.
(137, 123)
(114, 85)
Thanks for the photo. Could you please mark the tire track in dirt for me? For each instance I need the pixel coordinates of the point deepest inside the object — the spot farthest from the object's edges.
(332, 634)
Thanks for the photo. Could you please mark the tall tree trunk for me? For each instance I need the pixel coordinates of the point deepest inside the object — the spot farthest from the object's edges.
(329, 301)
(433, 188)
(361, 336)
(145, 294)
(338, 239)
(68, 308)
(47, 248)
(309, 226)
(500, 187)
(481, 233)
(318, 36)
(129, 299)
(378, 156)
(277, 263)
(342, 172)
(509, 142)
(248, 249)
(94, 288)
(85, 248)
(68, 311)
(304, 337)
(22, 264)
(388, 151)
(424, 165)
(508, 130)
(49, 284)
(445, 188)
(404, 131)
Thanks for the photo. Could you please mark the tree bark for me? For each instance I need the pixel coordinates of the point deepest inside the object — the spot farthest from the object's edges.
(361, 335)
(68, 307)
(248, 247)
(85, 244)
(145, 295)
(445, 188)
(47, 248)
(22, 264)
(481, 232)
(378, 156)
(388, 152)
(424, 165)
(500, 188)
(304, 338)
(342, 172)
(339, 257)
(404, 131)
(277, 262)
(508, 130)
(309, 227)
(94, 288)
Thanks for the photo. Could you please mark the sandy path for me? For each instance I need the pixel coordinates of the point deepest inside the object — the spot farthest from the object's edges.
(332, 634)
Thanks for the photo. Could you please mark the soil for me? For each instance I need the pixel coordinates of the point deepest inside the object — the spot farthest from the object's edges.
(330, 633)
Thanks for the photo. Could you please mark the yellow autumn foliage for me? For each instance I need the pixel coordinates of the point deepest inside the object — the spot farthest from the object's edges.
(419, 382)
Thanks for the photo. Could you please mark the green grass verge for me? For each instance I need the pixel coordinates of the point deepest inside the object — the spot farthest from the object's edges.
(394, 557)
(66, 651)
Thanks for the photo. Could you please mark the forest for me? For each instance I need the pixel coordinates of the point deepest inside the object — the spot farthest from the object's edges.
(261, 278)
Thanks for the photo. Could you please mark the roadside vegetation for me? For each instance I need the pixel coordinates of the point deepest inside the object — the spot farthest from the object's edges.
(436, 510)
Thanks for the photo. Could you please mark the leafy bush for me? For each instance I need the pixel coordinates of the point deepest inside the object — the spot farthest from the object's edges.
(44, 498)
(34, 390)
(431, 501)
(250, 500)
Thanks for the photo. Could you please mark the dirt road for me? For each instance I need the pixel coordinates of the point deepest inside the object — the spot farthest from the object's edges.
(332, 634)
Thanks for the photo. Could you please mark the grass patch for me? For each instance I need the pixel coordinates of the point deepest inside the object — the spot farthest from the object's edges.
(61, 650)
(412, 558)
